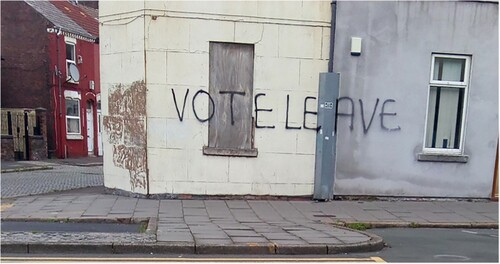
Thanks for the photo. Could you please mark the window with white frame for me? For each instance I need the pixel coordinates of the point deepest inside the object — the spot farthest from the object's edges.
(448, 89)
(70, 55)
(73, 116)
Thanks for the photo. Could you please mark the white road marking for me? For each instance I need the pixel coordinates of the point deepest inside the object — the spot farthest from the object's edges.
(470, 232)
(452, 257)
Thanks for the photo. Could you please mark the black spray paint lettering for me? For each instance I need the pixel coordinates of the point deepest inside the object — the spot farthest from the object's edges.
(351, 114)
(365, 128)
(232, 93)
(383, 114)
(211, 101)
(287, 108)
(309, 112)
(181, 116)
(257, 110)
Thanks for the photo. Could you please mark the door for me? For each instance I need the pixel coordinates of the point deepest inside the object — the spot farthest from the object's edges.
(90, 128)
(99, 129)
(20, 124)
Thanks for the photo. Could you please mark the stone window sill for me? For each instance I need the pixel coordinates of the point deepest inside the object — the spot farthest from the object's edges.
(210, 151)
(434, 157)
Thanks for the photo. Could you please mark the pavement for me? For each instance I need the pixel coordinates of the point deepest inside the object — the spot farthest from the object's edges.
(212, 226)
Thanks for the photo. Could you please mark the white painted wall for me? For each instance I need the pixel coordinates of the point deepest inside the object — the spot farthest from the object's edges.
(166, 44)
(122, 62)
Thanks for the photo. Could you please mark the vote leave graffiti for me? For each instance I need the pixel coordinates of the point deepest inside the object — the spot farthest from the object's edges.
(346, 103)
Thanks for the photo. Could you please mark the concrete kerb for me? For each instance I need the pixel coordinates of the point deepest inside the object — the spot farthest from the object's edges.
(156, 248)
(302, 249)
(247, 249)
(152, 222)
(95, 164)
(375, 243)
(21, 248)
(190, 248)
(152, 226)
(80, 248)
(490, 225)
(34, 168)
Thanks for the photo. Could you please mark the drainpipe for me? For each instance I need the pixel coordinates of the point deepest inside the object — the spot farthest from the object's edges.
(61, 141)
(332, 35)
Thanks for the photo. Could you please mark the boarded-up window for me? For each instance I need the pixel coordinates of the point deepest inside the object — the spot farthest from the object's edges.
(230, 130)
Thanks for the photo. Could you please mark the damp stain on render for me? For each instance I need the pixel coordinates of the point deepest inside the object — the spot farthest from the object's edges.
(125, 125)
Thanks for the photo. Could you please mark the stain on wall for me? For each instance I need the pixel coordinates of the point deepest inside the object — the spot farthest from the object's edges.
(125, 125)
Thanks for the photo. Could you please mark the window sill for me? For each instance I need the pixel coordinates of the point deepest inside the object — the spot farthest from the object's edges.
(74, 137)
(251, 153)
(434, 157)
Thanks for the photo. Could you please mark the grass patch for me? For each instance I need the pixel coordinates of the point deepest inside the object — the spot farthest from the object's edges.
(358, 226)
(143, 227)
(413, 225)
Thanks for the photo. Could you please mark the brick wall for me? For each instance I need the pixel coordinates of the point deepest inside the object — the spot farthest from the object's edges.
(26, 72)
(38, 148)
(7, 148)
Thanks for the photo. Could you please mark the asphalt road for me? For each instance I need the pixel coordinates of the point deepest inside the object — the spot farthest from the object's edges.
(404, 245)
(61, 177)
(437, 245)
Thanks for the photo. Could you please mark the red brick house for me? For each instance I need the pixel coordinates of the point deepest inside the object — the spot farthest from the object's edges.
(50, 60)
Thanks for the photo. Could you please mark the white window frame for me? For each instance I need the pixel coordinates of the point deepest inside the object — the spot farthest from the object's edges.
(72, 134)
(450, 84)
(70, 41)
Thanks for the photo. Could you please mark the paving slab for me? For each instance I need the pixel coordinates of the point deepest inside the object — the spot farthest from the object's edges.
(218, 226)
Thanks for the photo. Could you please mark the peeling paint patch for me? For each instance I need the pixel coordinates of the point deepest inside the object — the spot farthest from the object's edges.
(114, 126)
(126, 129)
(135, 134)
(134, 160)
(115, 100)
(135, 100)
(130, 158)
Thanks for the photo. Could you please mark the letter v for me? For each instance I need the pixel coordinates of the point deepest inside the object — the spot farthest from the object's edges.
(181, 116)
(365, 129)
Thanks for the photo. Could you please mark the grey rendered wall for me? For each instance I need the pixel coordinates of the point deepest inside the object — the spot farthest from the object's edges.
(398, 39)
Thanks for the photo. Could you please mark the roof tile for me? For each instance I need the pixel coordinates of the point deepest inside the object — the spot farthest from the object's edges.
(79, 15)
(58, 18)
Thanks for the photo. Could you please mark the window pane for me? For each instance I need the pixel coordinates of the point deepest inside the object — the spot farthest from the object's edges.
(70, 52)
(448, 69)
(73, 125)
(72, 108)
(444, 121)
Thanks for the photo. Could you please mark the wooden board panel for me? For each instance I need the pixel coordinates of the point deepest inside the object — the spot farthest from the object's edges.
(231, 89)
